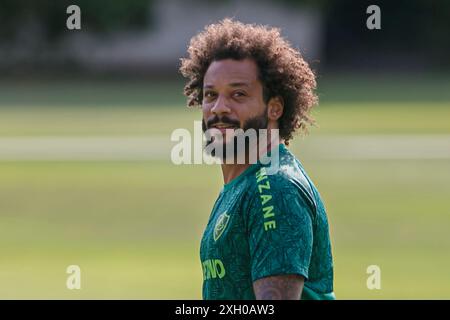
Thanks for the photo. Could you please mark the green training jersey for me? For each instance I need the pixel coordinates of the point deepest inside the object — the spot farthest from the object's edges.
(264, 225)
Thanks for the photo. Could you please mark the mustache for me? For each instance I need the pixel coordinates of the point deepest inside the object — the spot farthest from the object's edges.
(223, 119)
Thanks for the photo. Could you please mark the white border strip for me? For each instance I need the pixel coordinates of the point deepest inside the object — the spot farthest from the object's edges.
(109, 148)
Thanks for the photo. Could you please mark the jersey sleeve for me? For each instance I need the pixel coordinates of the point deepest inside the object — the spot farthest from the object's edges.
(280, 231)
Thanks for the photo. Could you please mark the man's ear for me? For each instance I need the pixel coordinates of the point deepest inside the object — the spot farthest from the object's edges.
(275, 108)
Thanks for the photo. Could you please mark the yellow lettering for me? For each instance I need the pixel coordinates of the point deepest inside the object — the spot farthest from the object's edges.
(269, 225)
(264, 186)
(265, 198)
(211, 269)
(268, 212)
(221, 272)
(261, 175)
(206, 274)
(261, 172)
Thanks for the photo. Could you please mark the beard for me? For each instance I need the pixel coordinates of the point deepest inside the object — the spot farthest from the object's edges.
(256, 123)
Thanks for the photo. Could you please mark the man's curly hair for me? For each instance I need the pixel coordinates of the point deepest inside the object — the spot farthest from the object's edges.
(282, 70)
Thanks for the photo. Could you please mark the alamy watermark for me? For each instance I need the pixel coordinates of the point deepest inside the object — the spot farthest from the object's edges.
(374, 280)
(74, 279)
(373, 22)
(73, 22)
(226, 146)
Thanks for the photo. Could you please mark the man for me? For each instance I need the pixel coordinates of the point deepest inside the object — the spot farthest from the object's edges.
(267, 236)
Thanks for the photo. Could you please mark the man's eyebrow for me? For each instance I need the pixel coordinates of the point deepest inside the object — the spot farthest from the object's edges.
(239, 84)
(233, 84)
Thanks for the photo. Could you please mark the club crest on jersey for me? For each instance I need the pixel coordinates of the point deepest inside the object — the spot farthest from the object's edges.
(221, 224)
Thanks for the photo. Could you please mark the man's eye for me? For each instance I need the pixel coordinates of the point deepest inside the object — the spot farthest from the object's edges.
(209, 94)
(239, 94)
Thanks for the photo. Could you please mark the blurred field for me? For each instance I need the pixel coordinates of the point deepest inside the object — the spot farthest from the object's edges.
(134, 226)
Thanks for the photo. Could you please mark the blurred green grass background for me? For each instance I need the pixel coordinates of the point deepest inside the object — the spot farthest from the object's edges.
(134, 227)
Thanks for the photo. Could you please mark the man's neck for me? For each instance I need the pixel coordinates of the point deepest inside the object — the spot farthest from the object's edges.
(232, 171)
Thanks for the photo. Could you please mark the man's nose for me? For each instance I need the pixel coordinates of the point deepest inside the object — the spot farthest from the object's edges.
(220, 106)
